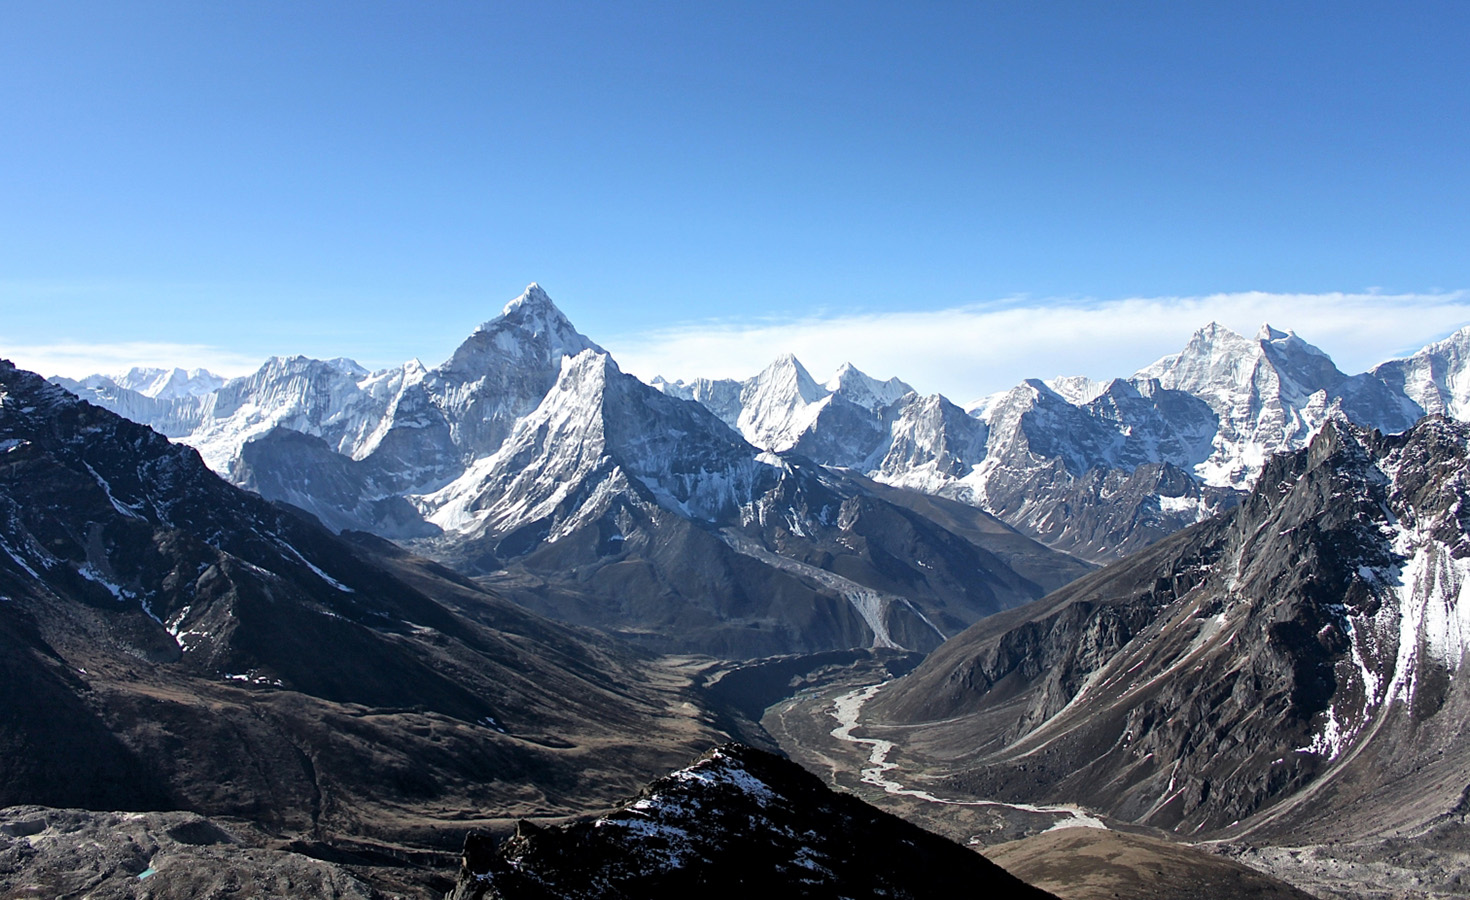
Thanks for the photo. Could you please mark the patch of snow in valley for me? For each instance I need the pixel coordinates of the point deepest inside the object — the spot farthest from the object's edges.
(317, 571)
(126, 511)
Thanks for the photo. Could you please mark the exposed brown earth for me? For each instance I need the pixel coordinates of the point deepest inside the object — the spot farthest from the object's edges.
(1094, 864)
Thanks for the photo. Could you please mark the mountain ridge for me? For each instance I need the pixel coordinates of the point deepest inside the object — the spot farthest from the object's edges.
(454, 459)
(530, 452)
(1257, 675)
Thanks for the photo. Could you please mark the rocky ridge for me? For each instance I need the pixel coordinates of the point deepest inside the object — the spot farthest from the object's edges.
(736, 822)
(1257, 675)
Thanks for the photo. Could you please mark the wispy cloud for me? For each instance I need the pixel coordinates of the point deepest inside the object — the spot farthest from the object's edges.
(971, 351)
(77, 359)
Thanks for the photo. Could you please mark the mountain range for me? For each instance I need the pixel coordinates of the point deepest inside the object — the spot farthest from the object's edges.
(744, 523)
(529, 458)
(1271, 653)
(1289, 672)
(280, 710)
(169, 641)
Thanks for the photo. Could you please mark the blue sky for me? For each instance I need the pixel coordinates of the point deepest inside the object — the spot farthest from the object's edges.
(215, 183)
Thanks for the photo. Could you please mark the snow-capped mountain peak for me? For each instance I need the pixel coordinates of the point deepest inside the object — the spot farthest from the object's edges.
(1267, 333)
(1437, 378)
(169, 384)
(787, 370)
(864, 390)
(533, 301)
(1270, 394)
(348, 367)
(779, 404)
(1214, 356)
(529, 327)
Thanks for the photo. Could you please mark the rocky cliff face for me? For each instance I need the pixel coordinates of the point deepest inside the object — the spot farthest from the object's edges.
(737, 822)
(1261, 672)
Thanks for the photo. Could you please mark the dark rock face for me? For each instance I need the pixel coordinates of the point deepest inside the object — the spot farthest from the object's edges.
(169, 641)
(1269, 668)
(738, 822)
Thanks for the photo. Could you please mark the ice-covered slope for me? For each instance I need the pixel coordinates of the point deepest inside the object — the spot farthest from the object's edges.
(502, 371)
(866, 391)
(594, 434)
(1269, 394)
(174, 417)
(335, 400)
(931, 444)
(844, 422)
(170, 384)
(1436, 379)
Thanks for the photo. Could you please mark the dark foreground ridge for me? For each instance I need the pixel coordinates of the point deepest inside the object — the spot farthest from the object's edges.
(737, 822)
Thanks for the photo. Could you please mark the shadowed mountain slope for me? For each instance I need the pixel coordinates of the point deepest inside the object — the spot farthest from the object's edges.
(1291, 669)
(168, 641)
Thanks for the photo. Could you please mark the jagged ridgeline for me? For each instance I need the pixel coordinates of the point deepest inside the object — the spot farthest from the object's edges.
(529, 459)
(1289, 671)
(744, 518)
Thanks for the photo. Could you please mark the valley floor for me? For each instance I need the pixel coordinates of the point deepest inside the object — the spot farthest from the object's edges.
(1075, 853)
